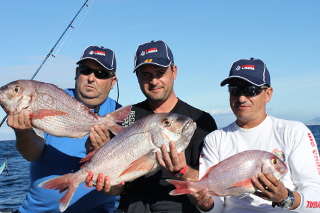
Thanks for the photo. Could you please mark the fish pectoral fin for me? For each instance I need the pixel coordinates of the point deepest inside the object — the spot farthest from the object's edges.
(144, 163)
(152, 172)
(245, 183)
(42, 113)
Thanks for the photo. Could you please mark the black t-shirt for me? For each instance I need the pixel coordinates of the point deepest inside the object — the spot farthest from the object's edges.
(156, 187)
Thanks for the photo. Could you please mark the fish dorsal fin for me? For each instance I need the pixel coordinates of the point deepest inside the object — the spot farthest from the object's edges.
(42, 113)
(144, 163)
(207, 172)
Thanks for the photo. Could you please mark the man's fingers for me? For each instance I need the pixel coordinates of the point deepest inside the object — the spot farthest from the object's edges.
(100, 182)
(166, 158)
(89, 179)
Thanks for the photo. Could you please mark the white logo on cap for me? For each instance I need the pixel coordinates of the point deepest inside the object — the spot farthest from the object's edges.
(91, 52)
(142, 53)
(238, 68)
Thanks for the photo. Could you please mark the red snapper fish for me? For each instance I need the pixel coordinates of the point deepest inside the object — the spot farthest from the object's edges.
(129, 155)
(233, 175)
(54, 111)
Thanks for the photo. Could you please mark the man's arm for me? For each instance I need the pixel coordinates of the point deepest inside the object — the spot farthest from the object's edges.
(28, 143)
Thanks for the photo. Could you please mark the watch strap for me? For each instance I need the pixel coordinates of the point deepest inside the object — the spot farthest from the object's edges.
(180, 173)
(287, 202)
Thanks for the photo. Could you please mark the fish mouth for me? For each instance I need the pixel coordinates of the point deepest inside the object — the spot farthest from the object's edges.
(285, 170)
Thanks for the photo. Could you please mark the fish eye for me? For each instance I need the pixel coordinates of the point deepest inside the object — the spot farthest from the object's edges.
(274, 161)
(16, 89)
(166, 122)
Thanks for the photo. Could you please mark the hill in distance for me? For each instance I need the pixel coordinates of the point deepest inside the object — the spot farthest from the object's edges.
(315, 121)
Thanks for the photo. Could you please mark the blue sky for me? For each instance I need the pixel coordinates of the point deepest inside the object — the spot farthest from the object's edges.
(206, 37)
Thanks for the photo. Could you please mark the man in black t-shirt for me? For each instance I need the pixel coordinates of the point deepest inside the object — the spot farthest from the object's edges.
(156, 72)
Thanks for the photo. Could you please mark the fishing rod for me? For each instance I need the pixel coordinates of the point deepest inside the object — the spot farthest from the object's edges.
(52, 49)
(4, 164)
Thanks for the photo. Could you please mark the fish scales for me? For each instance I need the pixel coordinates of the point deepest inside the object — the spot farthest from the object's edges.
(233, 175)
(130, 154)
(54, 111)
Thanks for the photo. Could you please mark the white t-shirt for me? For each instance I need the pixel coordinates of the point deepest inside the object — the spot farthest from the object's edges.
(290, 140)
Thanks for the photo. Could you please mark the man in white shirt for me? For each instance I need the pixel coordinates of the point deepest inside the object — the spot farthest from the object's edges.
(299, 190)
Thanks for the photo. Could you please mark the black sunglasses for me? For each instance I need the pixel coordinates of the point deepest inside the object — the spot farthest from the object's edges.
(246, 90)
(101, 74)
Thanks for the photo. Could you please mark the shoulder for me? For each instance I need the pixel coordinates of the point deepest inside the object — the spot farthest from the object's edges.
(138, 111)
(286, 124)
(203, 119)
(109, 105)
(223, 132)
(70, 91)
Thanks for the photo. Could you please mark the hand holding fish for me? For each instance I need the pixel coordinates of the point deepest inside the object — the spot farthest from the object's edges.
(202, 200)
(28, 143)
(103, 184)
(99, 135)
(174, 161)
(272, 189)
(20, 121)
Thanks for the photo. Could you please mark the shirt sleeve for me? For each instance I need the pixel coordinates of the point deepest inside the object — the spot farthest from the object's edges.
(304, 164)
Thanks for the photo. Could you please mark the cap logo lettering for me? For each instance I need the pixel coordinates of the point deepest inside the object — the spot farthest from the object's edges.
(148, 60)
(247, 67)
(97, 53)
(151, 50)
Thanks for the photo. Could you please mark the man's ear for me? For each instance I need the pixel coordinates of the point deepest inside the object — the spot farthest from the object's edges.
(114, 81)
(175, 71)
(269, 94)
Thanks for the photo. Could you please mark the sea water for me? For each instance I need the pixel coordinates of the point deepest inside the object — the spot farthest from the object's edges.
(13, 187)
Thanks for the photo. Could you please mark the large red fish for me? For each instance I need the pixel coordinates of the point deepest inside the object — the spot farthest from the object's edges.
(54, 111)
(130, 154)
(233, 175)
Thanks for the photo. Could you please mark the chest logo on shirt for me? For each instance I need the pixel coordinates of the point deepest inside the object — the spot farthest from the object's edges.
(130, 119)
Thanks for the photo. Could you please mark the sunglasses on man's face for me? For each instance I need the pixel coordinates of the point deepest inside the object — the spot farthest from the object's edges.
(100, 74)
(246, 90)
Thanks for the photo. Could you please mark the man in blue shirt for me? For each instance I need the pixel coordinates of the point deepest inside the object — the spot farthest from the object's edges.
(52, 156)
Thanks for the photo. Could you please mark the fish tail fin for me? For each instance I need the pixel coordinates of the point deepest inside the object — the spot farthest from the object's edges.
(62, 183)
(182, 187)
(117, 116)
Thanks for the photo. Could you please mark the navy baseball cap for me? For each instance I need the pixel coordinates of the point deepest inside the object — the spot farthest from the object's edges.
(103, 56)
(154, 52)
(254, 71)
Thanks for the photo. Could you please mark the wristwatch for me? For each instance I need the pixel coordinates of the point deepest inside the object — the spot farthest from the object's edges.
(180, 173)
(287, 202)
